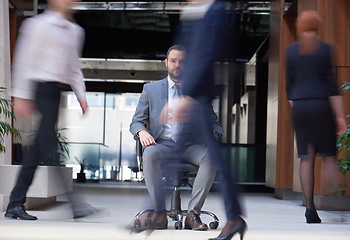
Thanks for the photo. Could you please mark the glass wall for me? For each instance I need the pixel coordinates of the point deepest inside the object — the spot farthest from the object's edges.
(246, 161)
(101, 138)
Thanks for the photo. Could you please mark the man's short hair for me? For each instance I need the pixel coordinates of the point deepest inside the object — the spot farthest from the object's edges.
(177, 47)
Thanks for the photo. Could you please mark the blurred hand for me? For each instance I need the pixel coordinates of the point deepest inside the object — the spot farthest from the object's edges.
(84, 105)
(164, 117)
(146, 139)
(216, 136)
(291, 103)
(180, 110)
(341, 126)
(23, 107)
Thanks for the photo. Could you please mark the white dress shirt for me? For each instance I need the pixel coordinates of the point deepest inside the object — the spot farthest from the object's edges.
(166, 134)
(48, 50)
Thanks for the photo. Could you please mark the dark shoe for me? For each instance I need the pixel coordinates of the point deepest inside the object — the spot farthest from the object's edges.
(237, 228)
(312, 216)
(84, 210)
(159, 221)
(19, 212)
(148, 220)
(193, 221)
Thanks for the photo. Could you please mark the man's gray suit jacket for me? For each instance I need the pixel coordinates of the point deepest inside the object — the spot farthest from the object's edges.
(153, 98)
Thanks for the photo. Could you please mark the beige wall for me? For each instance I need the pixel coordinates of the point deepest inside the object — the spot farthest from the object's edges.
(5, 73)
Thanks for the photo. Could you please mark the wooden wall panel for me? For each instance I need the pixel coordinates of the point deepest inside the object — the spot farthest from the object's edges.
(336, 32)
(336, 14)
(280, 134)
(306, 5)
(285, 147)
(272, 99)
(347, 34)
(13, 30)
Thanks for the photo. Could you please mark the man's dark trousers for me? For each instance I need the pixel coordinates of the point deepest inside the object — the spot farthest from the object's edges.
(47, 101)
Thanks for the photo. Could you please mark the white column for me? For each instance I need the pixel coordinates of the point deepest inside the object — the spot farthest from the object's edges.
(5, 70)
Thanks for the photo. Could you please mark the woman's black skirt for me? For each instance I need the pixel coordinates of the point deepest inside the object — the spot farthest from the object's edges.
(314, 126)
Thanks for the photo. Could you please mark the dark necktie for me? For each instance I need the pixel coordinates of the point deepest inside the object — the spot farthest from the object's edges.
(175, 127)
(177, 90)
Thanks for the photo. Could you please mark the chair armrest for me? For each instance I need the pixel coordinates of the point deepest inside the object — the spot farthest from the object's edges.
(139, 151)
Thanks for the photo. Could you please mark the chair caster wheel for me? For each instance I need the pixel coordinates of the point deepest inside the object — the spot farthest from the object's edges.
(214, 225)
(178, 225)
(137, 223)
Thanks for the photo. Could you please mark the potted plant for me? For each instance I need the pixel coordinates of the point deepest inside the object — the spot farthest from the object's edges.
(84, 165)
(61, 153)
(5, 127)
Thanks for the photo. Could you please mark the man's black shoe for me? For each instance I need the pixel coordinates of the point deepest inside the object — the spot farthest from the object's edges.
(19, 212)
(83, 210)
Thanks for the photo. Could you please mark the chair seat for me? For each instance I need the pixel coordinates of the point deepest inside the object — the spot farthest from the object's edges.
(181, 167)
(178, 173)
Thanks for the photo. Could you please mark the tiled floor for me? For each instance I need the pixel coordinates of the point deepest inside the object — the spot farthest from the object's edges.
(268, 218)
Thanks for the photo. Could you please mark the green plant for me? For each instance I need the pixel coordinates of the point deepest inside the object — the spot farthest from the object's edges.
(345, 87)
(343, 147)
(61, 154)
(84, 164)
(5, 127)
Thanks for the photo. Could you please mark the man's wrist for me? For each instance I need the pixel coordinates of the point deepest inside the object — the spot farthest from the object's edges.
(217, 133)
(142, 130)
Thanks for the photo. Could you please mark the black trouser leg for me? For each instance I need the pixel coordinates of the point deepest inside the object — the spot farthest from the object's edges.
(47, 102)
(199, 130)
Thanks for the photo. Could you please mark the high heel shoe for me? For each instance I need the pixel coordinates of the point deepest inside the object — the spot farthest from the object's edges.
(238, 228)
(312, 216)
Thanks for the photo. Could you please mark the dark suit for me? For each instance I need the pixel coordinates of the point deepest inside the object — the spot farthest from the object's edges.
(205, 43)
(153, 98)
(310, 76)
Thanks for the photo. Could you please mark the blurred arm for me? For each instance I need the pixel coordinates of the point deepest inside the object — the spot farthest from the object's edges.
(337, 107)
(336, 101)
(217, 127)
(25, 54)
(23, 107)
(140, 119)
(289, 78)
(75, 74)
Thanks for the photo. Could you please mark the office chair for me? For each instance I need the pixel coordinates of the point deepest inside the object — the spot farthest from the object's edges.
(184, 172)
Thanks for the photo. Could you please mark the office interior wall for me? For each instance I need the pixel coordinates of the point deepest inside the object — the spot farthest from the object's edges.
(282, 163)
(272, 99)
(5, 72)
(336, 17)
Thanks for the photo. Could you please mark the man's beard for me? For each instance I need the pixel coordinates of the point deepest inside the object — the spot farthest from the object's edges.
(173, 76)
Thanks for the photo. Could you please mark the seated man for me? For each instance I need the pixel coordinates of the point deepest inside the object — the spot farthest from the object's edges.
(158, 139)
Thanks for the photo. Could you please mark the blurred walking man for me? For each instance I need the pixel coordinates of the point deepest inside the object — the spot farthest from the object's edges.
(207, 39)
(159, 139)
(46, 62)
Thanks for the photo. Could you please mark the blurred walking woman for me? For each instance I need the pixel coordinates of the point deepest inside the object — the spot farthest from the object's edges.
(317, 108)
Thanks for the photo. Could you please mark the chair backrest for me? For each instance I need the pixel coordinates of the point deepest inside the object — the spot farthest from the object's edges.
(139, 154)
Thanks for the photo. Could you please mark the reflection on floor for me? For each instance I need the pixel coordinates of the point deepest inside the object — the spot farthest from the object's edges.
(268, 218)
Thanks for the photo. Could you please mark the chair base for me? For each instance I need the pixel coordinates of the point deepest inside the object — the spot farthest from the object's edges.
(177, 216)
